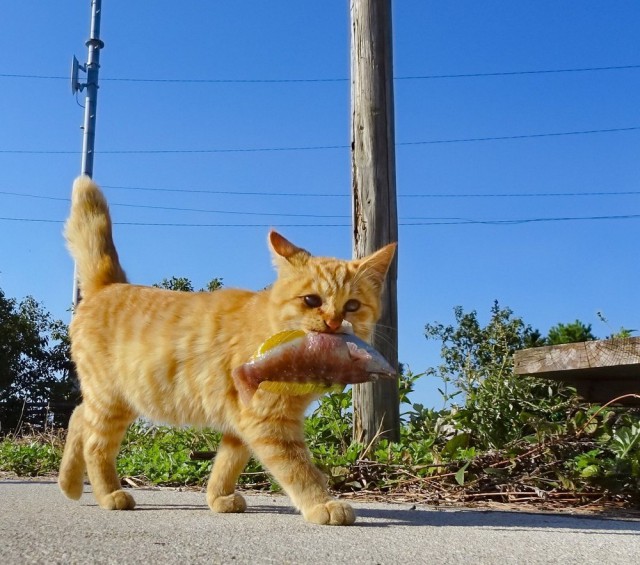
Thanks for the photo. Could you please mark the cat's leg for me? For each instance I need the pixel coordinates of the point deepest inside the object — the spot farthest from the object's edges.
(71, 475)
(231, 458)
(103, 431)
(283, 451)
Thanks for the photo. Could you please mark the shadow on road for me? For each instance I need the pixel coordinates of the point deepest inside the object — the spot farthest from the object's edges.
(384, 516)
(204, 507)
(495, 520)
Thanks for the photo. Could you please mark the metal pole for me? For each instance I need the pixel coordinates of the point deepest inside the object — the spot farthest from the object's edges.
(94, 43)
(92, 68)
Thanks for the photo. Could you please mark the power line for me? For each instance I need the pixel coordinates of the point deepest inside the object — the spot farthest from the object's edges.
(226, 192)
(231, 212)
(318, 147)
(516, 73)
(181, 225)
(38, 196)
(330, 79)
(526, 220)
(314, 195)
(181, 209)
(522, 136)
(37, 220)
(524, 194)
(174, 151)
(348, 195)
(431, 222)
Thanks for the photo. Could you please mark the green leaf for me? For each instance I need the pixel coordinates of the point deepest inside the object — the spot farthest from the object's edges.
(461, 472)
(625, 440)
(526, 417)
(456, 442)
(590, 471)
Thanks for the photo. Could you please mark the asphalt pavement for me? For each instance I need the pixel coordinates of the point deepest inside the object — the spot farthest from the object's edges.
(39, 525)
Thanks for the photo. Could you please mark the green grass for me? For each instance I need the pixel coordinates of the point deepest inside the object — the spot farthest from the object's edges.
(157, 455)
(162, 455)
(589, 454)
(32, 455)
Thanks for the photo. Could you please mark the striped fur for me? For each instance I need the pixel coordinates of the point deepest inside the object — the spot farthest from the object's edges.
(168, 356)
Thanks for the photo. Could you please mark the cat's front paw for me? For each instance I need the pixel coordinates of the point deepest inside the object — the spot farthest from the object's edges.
(230, 503)
(117, 500)
(332, 513)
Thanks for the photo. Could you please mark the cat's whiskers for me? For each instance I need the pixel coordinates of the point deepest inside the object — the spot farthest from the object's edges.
(380, 332)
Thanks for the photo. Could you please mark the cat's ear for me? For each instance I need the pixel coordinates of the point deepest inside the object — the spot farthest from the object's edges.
(286, 253)
(377, 264)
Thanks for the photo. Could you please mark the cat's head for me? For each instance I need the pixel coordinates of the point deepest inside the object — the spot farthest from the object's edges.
(321, 294)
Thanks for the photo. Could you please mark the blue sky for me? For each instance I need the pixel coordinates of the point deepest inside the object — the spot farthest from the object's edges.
(546, 271)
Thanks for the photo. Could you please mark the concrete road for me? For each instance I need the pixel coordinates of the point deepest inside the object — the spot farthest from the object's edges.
(39, 525)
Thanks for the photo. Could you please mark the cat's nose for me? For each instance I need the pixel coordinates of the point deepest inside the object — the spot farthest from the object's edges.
(333, 324)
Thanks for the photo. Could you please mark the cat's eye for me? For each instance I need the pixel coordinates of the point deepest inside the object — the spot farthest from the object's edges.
(312, 300)
(352, 305)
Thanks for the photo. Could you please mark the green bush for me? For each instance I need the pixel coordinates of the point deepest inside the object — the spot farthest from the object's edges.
(162, 455)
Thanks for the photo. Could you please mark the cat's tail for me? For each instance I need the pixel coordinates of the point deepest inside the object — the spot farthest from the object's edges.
(89, 238)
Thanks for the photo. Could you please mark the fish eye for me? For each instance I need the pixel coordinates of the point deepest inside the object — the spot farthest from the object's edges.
(312, 300)
(352, 305)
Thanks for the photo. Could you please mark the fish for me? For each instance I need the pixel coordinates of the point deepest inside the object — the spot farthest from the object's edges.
(297, 362)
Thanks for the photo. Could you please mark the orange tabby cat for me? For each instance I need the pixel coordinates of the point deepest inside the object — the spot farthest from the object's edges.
(168, 356)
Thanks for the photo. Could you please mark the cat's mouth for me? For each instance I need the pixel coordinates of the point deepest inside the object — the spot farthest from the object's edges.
(344, 328)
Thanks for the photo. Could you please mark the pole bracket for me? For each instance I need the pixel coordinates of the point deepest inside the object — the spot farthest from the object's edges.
(76, 85)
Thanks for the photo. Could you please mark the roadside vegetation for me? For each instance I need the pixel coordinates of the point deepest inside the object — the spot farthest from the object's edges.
(498, 438)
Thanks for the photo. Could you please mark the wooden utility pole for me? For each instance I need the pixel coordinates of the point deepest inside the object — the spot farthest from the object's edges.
(375, 215)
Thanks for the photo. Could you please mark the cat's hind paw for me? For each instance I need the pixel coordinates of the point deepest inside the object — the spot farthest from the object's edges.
(332, 513)
(230, 503)
(117, 500)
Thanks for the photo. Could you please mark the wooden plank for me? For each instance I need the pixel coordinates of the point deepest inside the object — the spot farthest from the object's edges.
(600, 370)
(617, 355)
